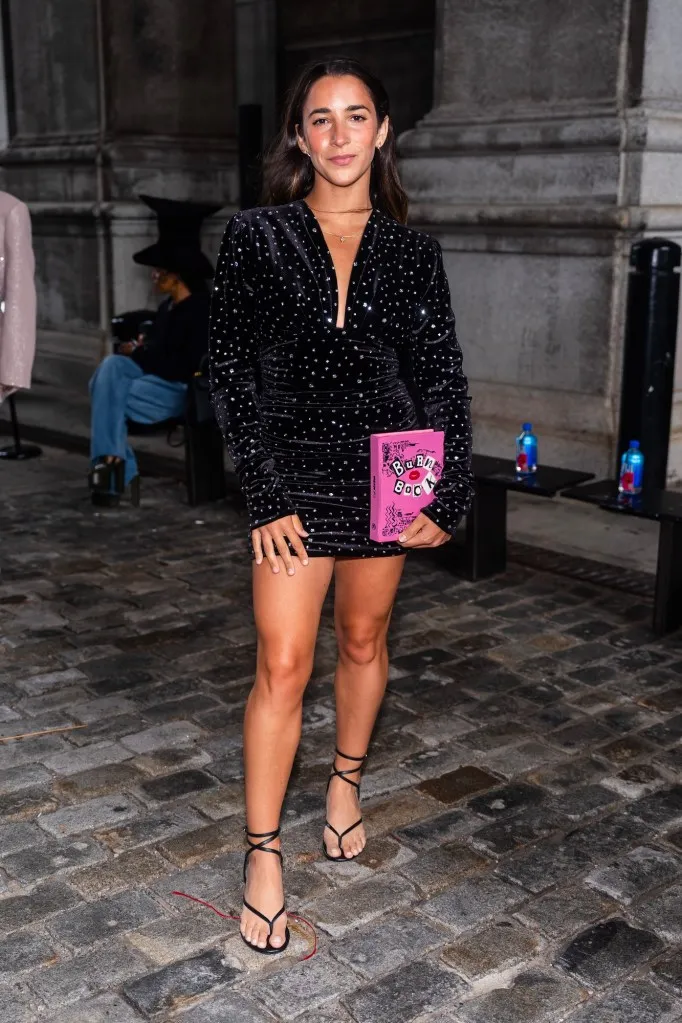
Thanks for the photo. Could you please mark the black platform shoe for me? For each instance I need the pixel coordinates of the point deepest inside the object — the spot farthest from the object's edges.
(107, 483)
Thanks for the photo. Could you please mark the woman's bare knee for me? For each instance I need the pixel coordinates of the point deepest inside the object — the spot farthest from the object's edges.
(282, 676)
(361, 644)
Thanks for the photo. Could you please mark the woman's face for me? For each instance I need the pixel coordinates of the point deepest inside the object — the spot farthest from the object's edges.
(163, 280)
(339, 131)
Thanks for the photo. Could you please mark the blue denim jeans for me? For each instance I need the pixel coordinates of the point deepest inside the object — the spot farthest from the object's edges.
(119, 390)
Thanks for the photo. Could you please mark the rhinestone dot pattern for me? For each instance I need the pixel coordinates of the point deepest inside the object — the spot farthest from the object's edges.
(297, 397)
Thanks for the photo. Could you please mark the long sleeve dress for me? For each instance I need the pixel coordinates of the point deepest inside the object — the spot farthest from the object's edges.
(297, 397)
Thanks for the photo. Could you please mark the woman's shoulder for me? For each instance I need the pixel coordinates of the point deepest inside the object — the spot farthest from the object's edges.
(193, 309)
(420, 240)
(196, 302)
(404, 240)
(261, 216)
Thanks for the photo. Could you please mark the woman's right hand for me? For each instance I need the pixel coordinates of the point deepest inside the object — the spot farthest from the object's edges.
(271, 540)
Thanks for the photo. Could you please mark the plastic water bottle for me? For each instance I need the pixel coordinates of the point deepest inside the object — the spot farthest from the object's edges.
(526, 451)
(631, 470)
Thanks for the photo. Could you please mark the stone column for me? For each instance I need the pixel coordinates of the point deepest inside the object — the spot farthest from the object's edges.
(113, 98)
(256, 58)
(555, 140)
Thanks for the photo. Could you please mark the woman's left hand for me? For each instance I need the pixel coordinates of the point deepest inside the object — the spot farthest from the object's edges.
(423, 532)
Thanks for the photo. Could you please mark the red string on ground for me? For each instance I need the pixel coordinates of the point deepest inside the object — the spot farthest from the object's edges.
(229, 916)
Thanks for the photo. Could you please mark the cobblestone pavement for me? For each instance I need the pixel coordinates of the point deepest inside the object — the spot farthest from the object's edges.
(522, 795)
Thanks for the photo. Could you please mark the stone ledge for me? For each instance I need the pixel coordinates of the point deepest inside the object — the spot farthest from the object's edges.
(543, 216)
(452, 130)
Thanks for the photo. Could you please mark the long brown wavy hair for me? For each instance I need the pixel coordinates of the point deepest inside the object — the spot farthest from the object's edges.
(288, 174)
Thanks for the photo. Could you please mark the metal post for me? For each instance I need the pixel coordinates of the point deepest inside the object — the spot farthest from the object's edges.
(17, 452)
(250, 147)
(649, 355)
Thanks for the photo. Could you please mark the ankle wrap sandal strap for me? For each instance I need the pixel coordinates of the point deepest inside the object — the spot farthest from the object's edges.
(266, 837)
(336, 773)
(343, 774)
(347, 757)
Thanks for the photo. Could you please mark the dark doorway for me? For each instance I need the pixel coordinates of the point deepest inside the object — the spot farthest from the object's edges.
(394, 40)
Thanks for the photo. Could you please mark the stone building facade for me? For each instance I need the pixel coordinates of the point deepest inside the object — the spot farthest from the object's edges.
(539, 139)
(107, 99)
(555, 140)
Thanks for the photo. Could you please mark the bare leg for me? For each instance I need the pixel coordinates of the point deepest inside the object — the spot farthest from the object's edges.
(365, 592)
(287, 612)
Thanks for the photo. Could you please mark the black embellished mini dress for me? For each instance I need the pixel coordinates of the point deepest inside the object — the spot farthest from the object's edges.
(297, 397)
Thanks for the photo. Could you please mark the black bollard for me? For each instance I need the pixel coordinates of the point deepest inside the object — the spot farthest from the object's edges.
(649, 355)
(250, 148)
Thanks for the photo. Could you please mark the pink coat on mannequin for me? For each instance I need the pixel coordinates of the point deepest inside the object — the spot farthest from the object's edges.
(17, 291)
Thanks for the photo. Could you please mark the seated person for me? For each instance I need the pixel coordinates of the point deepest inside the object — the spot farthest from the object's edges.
(147, 380)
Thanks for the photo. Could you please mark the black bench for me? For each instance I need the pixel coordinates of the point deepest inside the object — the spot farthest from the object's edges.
(663, 507)
(485, 541)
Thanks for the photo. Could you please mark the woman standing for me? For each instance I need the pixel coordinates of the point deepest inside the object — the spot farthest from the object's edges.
(320, 300)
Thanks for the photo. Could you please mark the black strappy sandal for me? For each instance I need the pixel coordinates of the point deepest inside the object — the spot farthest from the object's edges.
(356, 785)
(268, 836)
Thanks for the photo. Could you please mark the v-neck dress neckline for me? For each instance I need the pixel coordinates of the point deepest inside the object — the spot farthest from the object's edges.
(359, 263)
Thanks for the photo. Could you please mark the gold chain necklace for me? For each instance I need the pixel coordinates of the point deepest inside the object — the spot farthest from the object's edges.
(334, 234)
(360, 209)
(342, 237)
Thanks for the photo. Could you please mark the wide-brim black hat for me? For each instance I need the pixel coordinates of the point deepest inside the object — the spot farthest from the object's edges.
(178, 248)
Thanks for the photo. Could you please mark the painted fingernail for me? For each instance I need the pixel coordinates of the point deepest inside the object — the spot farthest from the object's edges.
(402, 538)
(305, 561)
(290, 571)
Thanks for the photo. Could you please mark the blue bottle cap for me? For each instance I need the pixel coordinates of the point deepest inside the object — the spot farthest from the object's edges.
(527, 427)
(634, 444)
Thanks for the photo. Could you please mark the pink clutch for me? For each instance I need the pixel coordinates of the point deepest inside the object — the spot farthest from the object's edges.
(405, 468)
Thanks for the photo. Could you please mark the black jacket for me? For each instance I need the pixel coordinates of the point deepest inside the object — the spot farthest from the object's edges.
(178, 340)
